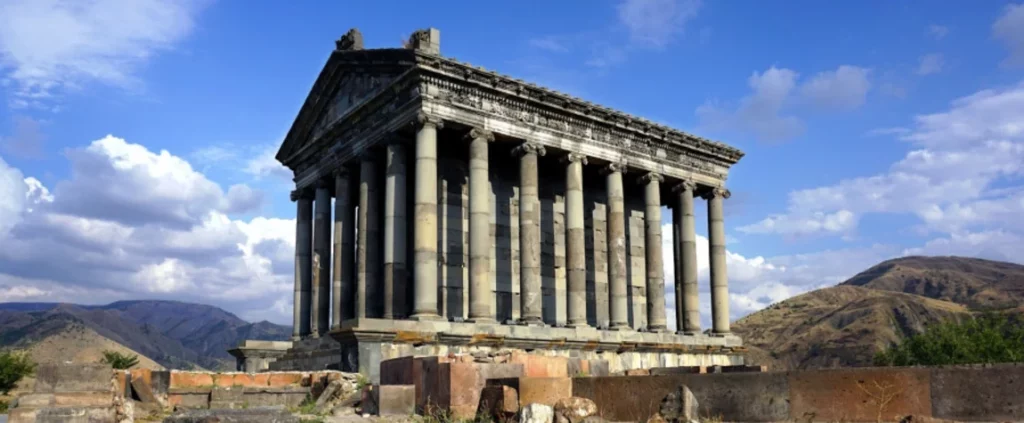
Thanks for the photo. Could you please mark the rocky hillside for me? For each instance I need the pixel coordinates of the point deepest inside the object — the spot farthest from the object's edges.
(173, 334)
(845, 325)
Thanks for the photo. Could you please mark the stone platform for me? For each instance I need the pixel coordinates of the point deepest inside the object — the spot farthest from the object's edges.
(359, 345)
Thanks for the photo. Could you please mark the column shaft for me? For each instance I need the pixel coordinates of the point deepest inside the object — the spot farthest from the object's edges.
(655, 265)
(394, 232)
(719, 279)
(321, 261)
(688, 260)
(425, 230)
(367, 289)
(576, 242)
(481, 298)
(303, 264)
(677, 266)
(344, 241)
(616, 233)
(531, 296)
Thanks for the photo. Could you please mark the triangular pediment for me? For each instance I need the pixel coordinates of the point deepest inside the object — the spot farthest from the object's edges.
(348, 80)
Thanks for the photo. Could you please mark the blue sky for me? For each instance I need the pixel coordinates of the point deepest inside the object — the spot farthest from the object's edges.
(137, 137)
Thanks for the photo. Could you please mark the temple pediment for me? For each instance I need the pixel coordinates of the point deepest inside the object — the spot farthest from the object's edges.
(354, 87)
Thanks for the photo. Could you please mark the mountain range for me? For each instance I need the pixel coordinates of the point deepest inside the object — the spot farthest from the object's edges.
(170, 333)
(846, 325)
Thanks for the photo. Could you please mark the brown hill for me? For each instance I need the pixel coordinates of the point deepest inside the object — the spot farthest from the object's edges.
(845, 325)
(838, 326)
(976, 283)
(79, 344)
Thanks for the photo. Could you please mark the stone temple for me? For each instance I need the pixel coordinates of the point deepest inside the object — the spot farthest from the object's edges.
(477, 212)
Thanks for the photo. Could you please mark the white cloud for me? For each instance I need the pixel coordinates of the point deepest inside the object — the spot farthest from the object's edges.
(549, 43)
(843, 89)
(47, 46)
(654, 23)
(121, 249)
(759, 113)
(938, 31)
(930, 64)
(1009, 29)
(265, 164)
(27, 139)
(962, 179)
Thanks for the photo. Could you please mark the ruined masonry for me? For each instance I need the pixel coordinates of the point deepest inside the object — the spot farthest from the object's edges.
(476, 212)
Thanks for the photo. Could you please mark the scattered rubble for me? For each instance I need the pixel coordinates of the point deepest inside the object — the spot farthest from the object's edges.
(680, 406)
(537, 413)
(574, 409)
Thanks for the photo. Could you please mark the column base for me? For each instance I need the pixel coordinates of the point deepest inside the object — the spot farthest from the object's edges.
(314, 335)
(688, 332)
(622, 327)
(657, 329)
(576, 325)
(482, 320)
(531, 322)
(720, 334)
(424, 317)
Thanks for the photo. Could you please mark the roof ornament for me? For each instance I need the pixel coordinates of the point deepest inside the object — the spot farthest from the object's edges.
(426, 40)
(352, 40)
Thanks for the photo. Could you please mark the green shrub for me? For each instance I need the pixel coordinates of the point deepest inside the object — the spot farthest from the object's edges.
(990, 338)
(13, 367)
(120, 361)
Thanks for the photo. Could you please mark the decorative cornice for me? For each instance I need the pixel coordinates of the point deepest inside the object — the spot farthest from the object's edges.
(651, 177)
(684, 186)
(575, 157)
(646, 129)
(479, 133)
(529, 148)
(716, 192)
(424, 119)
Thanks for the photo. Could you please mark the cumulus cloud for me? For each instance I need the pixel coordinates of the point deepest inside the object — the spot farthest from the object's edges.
(761, 112)
(115, 180)
(653, 23)
(1009, 29)
(265, 164)
(140, 238)
(961, 179)
(843, 89)
(766, 112)
(930, 64)
(47, 46)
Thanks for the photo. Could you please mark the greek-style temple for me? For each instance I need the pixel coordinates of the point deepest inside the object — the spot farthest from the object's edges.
(443, 207)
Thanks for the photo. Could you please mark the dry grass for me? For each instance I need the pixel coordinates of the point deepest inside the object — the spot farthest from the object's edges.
(79, 344)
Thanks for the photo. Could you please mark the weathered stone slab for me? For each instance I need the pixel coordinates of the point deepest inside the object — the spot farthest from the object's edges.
(682, 370)
(143, 390)
(978, 393)
(73, 378)
(499, 401)
(76, 415)
(857, 394)
(396, 400)
(540, 390)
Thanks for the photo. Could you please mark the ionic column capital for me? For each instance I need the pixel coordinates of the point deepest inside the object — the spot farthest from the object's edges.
(301, 194)
(479, 133)
(684, 187)
(614, 168)
(424, 119)
(716, 192)
(529, 148)
(651, 177)
(575, 157)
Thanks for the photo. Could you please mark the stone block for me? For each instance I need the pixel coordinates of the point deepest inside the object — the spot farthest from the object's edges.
(680, 406)
(250, 415)
(541, 365)
(123, 383)
(398, 371)
(540, 390)
(143, 390)
(283, 379)
(599, 368)
(35, 400)
(574, 409)
(73, 378)
(537, 413)
(182, 380)
(230, 397)
(681, 370)
(638, 372)
(978, 393)
(76, 415)
(396, 400)
(858, 394)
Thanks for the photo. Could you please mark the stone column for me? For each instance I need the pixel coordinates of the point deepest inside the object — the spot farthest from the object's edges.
(687, 244)
(616, 233)
(655, 266)
(394, 230)
(481, 298)
(366, 279)
(719, 279)
(531, 305)
(321, 260)
(344, 242)
(575, 242)
(303, 263)
(425, 229)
